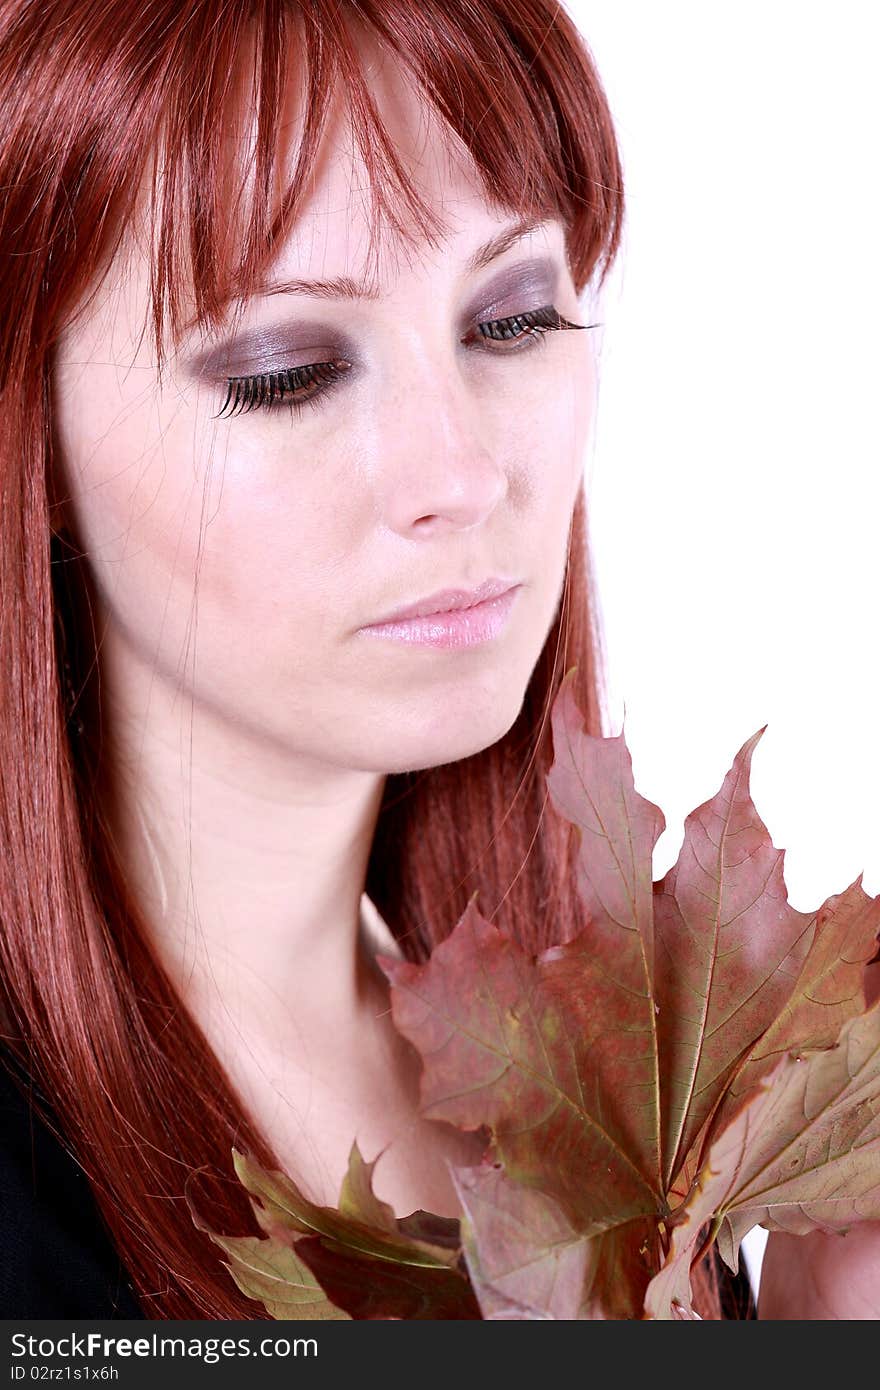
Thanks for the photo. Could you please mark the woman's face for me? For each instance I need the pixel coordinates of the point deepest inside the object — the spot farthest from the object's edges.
(239, 557)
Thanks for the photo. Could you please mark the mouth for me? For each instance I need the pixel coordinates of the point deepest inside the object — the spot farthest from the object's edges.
(448, 600)
(463, 622)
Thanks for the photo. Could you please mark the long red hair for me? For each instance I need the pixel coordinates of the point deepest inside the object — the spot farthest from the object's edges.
(90, 91)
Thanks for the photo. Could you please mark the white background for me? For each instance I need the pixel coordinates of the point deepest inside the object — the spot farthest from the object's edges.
(734, 474)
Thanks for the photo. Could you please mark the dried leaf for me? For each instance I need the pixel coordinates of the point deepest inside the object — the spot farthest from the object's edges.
(358, 1201)
(802, 1153)
(591, 785)
(381, 1288)
(578, 1059)
(276, 1276)
(356, 1261)
(283, 1210)
(507, 1042)
(830, 989)
(693, 1058)
(524, 1258)
(272, 1273)
(729, 949)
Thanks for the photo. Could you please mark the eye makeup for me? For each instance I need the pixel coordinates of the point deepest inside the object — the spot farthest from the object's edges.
(535, 279)
(270, 349)
(269, 390)
(299, 342)
(259, 371)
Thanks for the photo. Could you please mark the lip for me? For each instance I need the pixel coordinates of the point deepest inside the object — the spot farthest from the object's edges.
(451, 617)
(448, 601)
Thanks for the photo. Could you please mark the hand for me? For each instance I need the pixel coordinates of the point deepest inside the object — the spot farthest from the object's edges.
(822, 1276)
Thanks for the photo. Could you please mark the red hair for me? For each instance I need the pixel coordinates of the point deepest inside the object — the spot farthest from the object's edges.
(90, 92)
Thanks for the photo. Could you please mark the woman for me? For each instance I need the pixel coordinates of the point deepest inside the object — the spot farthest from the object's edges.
(288, 345)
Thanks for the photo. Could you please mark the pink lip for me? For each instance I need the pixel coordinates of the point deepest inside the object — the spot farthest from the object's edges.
(464, 622)
(448, 600)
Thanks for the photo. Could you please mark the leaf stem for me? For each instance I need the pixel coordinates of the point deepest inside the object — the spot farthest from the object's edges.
(708, 1242)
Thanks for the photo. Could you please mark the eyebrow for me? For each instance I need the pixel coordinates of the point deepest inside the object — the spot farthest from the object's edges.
(344, 287)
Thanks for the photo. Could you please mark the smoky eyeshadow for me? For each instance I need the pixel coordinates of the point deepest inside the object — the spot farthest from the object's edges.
(530, 284)
(263, 350)
(509, 291)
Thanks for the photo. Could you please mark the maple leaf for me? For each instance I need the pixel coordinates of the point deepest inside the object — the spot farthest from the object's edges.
(358, 1260)
(601, 1065)
(695, 1057)
(591, 785)
(802, 1153)
(273, 1274)
(508, 1043)
(507, 1048)
(526, 1260)
(830, 989)
(729, 949)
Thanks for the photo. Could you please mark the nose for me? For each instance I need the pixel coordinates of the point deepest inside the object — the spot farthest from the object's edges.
(441, 468)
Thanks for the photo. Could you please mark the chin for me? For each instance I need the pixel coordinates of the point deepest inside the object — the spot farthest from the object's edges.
(457, 730)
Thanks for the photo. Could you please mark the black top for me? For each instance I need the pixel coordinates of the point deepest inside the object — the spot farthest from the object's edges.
(58, 1259)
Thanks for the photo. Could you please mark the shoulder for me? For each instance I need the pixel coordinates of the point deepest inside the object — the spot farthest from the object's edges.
(58, 1258)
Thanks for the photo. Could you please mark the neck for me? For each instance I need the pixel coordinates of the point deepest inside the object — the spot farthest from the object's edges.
(248, 860)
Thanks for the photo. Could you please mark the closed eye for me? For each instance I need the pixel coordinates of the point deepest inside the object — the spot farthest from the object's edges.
(296, 387)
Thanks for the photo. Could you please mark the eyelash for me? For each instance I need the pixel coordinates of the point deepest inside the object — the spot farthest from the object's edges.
(268, 390)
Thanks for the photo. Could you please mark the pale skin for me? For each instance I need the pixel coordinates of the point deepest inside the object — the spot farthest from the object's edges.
(234, 560)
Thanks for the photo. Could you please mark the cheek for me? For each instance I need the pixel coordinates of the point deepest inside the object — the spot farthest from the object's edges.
(276, 556)
(189, 524)
(555, 461)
